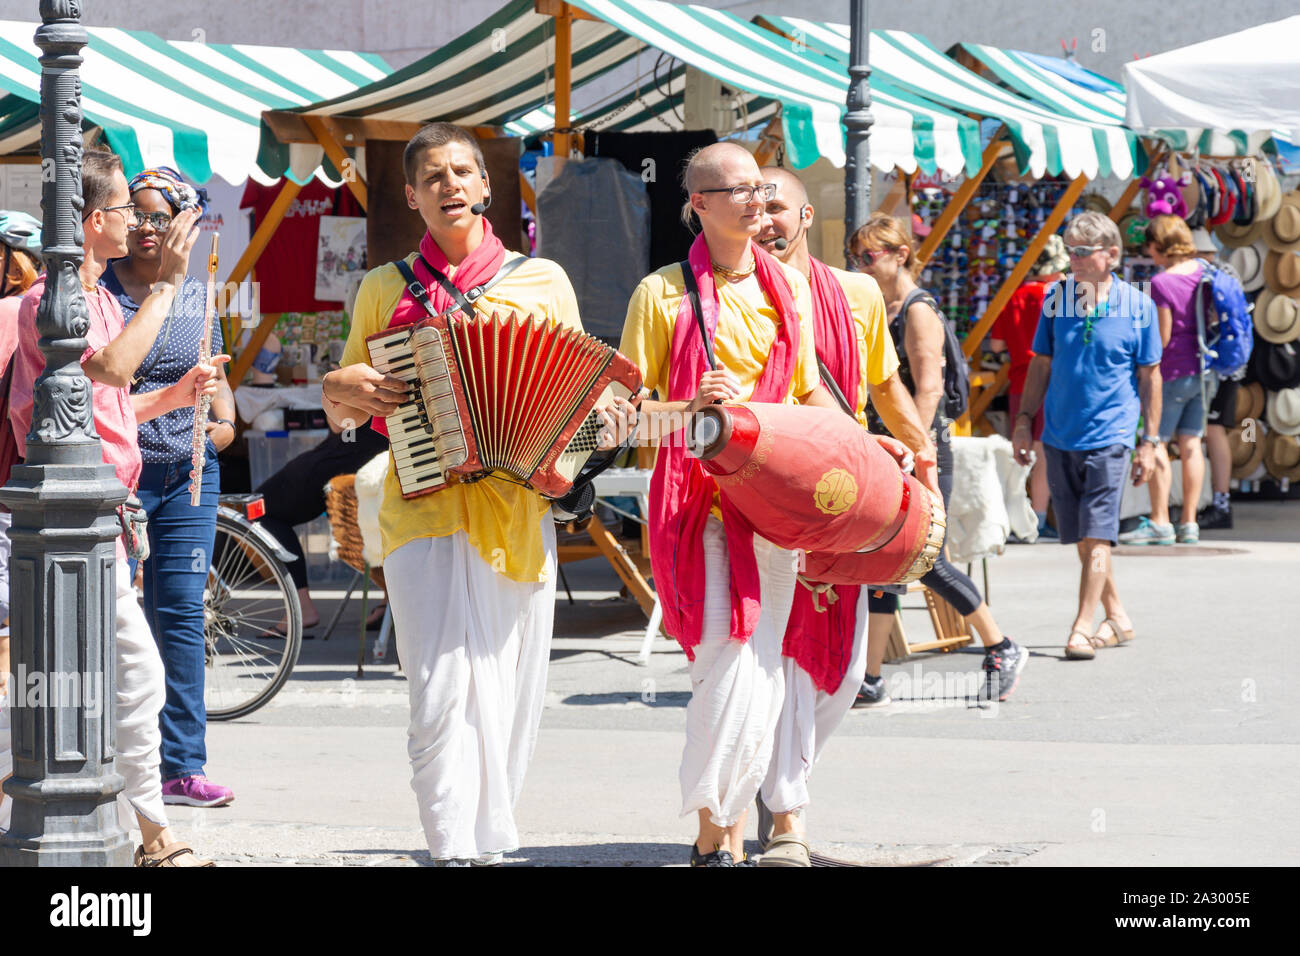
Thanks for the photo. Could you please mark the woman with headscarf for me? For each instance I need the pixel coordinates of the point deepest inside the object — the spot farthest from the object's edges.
(181, 536)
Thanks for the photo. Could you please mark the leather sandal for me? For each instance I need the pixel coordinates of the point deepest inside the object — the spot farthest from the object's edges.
(1118, 635)
(169, 856)
(1079, 652)
(786, 849)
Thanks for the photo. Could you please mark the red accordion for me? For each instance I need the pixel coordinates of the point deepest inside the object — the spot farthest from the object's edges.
(814, 479)
(495, 394)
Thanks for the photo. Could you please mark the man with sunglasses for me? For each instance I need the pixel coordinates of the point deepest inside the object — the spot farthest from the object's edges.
(725, 591)
(112, 355)
(1096, 364)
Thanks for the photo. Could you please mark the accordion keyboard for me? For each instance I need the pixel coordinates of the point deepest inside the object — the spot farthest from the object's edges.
(410, 436)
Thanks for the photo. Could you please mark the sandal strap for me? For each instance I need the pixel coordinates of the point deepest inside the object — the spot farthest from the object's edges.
(166, 855)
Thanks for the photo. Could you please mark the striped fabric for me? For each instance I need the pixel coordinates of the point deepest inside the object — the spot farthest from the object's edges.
(194, 106)
(502, 73)
(1078, 135)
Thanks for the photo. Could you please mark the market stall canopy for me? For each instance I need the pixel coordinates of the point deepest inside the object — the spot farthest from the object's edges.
(502, 73)
(194, 106)
(1049, 136)
(1243, 87)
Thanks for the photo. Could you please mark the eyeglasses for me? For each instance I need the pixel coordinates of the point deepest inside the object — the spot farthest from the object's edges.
(1082, 252)
(160, 221)
(133, 221)
(744, 195)
(865, 258)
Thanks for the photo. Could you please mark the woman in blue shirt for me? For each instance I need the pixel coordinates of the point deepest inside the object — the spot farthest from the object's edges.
(180, 535)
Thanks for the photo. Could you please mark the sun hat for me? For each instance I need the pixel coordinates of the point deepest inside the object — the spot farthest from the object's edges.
(1284, 411)
(1276, 365)
(1282, 456)
(1246, 455)
(1282, 272)
(1267, 189)
(1283, 232)
(1277, 317)
(1251, 400)
(1053, 258)
(1231, 234)
(1248, 263)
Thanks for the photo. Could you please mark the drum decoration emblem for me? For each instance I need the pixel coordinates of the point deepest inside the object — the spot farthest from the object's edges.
(836, 492)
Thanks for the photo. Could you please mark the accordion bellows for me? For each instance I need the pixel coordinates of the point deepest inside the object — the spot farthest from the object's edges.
(507, 394)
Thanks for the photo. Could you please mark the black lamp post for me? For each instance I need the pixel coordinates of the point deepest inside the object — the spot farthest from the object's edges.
(857, 123)
(62, 573)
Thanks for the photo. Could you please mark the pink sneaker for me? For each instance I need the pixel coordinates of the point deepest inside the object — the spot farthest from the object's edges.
(196, 791)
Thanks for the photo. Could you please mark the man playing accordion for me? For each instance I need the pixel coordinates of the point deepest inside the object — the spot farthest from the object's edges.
(470, 568)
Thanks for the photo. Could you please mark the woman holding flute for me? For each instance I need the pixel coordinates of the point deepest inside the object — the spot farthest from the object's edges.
(181, 534)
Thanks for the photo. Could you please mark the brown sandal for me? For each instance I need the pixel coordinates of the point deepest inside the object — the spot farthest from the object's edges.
(1117, 636)
(1079, 652)
(168, 856)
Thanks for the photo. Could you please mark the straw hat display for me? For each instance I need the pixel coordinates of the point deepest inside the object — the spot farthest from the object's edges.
(1251, 401)
(1246, 455)
(1235, 236)
(1284, 411)
(1248, 263)
(1282, 272)
(1282, 456)
(1277, 317)
(1283, 232)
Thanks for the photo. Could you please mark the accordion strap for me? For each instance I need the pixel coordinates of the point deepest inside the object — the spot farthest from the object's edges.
(464, 301)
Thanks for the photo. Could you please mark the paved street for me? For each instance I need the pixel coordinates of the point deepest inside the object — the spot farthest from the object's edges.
(1181, 748)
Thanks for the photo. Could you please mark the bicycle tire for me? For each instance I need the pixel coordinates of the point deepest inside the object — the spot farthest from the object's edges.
(248, 594)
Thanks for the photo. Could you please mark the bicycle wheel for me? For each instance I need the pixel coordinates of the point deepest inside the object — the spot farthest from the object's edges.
(248, 595)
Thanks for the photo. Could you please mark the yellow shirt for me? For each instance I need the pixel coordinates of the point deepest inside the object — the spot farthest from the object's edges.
(501, 519)
(747, 326)
(877, 358)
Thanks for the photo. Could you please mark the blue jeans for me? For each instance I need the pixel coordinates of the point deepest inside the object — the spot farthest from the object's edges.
(181, 539)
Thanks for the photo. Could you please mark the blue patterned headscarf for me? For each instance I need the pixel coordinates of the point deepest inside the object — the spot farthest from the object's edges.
(179, 194)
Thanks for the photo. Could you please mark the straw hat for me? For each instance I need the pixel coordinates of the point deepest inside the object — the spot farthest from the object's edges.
(1268, 191)
(1277, 317)
(1282, 271)
(1250, 401)
(1248, 263)
(1282, 456)
(1284, 411)
(1231, 234)
(1283, 232)
(1246, 455)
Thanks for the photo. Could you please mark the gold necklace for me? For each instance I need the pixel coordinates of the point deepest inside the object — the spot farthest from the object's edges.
(736, 273)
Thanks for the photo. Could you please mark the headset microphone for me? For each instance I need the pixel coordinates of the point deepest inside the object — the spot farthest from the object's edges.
(780, 242)
(479, 208)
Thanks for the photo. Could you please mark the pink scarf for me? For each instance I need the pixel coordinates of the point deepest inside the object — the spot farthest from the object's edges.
(475, 269)
(681, 492)
(821, 642)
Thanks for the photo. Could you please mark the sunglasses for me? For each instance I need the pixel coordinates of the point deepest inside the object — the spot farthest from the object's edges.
(160, 221)
(865, 258)
(1082, 252)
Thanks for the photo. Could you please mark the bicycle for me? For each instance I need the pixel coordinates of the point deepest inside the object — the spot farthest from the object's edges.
(248, 597)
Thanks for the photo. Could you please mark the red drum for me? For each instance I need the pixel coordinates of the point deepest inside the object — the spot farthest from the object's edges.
(814, 479)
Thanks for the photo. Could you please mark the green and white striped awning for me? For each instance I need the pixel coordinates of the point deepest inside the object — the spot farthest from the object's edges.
(502, 73)
(194, 106)
(1049, 136)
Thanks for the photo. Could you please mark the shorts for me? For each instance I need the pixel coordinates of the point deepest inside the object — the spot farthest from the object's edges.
(1014, 402)
(1223, 409)
(1181, 411)
(1087, 488)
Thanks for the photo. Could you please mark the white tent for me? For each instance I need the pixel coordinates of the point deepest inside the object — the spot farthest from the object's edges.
(1245, 85)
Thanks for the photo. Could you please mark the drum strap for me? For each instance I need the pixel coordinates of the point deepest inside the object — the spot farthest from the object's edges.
(464, 300)
(693, 291)
(890, 531)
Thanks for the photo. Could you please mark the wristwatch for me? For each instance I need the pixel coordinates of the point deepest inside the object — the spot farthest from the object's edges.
(1153, 439)
(224, 421)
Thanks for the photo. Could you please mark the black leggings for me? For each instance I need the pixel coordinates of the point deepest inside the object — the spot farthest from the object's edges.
(943, 579)
(296, 493)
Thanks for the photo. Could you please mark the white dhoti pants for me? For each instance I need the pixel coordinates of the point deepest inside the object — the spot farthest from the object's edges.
(808, 718)
(737, 688)
(141, 691)
(474, 645)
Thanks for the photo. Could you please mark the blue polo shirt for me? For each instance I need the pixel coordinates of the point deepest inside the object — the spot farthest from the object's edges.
(1092, 395)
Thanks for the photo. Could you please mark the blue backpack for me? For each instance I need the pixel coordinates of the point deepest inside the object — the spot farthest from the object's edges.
(1224, 330)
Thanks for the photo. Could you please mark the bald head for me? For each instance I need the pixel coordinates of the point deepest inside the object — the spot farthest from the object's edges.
(788, 186)
(714, 165)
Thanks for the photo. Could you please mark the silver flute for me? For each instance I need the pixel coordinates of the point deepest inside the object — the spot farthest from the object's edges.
(202, 402)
